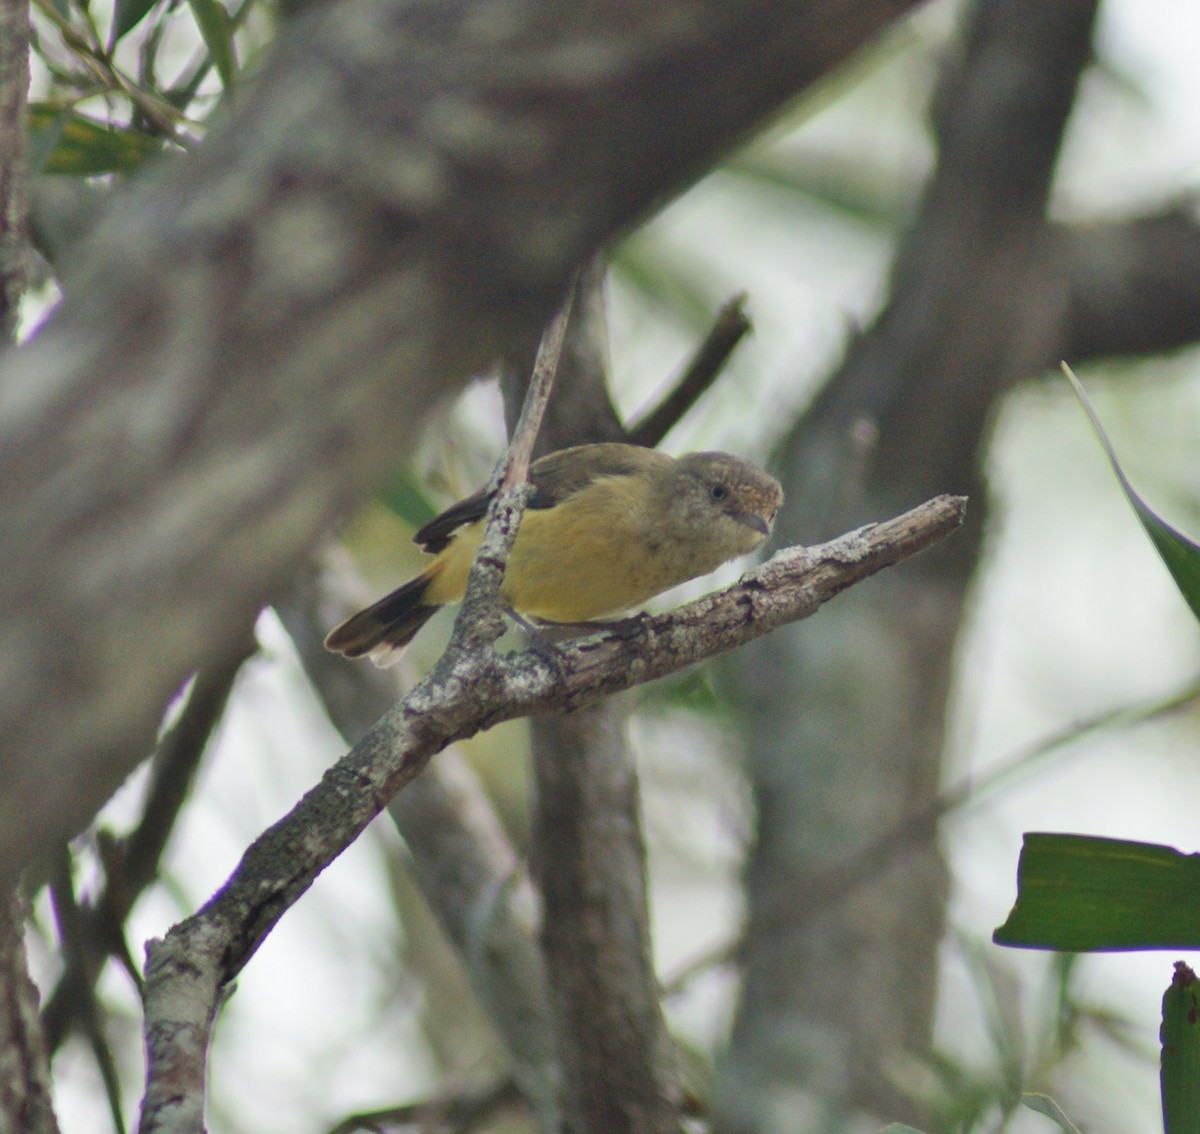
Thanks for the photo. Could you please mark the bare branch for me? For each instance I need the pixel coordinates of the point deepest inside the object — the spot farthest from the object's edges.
(480, 622)
(973, 309)
(730, 327)
(620, 1067)
(467, 691)
(514, 466)
(1132, 287)
(82, 958)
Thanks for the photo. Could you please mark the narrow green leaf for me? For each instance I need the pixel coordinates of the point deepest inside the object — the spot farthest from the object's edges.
(45, 133)
(405, 497)
(1180, 554)
(1044, 1104)
(852, 189)
(899, 1128)
(127, 14)
(216, 28)
(1083, 894)
(1180, 1071)
(70, 143)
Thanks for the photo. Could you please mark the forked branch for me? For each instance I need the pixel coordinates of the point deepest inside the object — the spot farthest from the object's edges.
(467, 691)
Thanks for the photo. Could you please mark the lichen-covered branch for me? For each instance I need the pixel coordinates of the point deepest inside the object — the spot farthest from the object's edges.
(468, 690)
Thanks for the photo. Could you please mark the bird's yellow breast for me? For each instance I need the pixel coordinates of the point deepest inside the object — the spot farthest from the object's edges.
(591, 556)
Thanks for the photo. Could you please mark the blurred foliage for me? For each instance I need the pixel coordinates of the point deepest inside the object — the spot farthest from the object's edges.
(406, 498)
(114, 87)
(691, 691)
(1027, 1048)
(64, 141)
(1180, 554)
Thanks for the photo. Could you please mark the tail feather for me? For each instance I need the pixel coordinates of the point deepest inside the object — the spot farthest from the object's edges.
(387, 626)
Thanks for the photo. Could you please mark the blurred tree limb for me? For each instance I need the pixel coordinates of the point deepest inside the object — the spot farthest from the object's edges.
(25, 1104)
(14, 85)
(618, 1062)
(984, 292)
(254, 332)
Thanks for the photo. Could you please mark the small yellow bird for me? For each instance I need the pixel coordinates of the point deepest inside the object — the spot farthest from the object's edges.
(607, 527)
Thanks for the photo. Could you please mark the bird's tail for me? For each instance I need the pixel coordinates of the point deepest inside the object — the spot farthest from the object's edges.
(383, 630)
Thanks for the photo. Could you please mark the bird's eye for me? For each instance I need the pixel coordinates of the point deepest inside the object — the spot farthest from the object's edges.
(718, 491)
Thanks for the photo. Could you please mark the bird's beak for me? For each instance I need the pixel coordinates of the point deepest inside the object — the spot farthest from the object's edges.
(755, 521)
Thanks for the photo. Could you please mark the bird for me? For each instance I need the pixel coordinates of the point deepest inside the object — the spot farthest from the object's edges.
(607, 527)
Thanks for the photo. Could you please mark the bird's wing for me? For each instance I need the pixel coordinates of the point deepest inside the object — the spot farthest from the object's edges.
(438, 533)
(557, 476)
(554, 477)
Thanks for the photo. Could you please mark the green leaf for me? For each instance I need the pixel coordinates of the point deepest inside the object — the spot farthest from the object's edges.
(44, 137)
(690, 690)
(403, 495)
(217, 30)
(127, 14)
(899, 1128)
(1180, 554)
(1180, 1072)
(1044, 1104)
(69, 143)
(852, 189)
(1083, 894)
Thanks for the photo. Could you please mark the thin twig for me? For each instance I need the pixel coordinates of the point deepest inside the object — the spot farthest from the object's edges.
(730, 327)
(132, 864)
(77, 947)
(513, 468)
(456, 1114)
(479, 622)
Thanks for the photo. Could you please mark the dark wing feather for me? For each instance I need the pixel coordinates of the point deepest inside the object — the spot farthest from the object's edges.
(436, 534)
(554, 477)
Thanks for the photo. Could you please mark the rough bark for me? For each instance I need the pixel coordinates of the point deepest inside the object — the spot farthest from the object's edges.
(14, 87)
(25, 1105)
(619, 1066)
